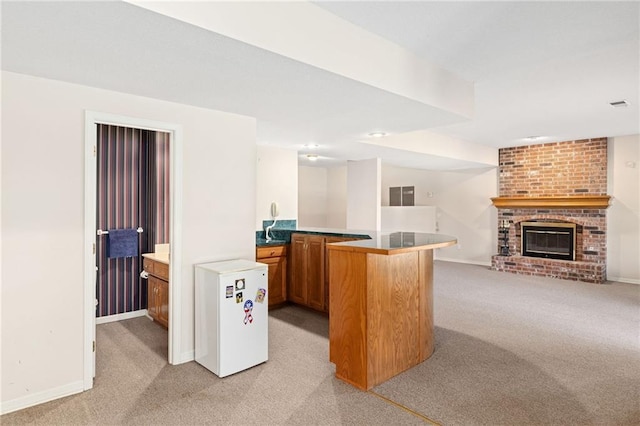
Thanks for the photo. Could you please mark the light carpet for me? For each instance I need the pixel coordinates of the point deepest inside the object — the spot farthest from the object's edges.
(514, 350)
(510, 350)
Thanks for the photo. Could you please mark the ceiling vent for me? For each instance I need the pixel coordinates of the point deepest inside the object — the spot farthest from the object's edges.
(619, 104)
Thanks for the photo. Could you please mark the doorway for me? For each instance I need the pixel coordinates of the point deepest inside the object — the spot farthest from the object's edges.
(133, 172)
(123, 292)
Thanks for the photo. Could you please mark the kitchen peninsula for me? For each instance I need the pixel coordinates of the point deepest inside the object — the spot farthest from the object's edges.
(381, 297)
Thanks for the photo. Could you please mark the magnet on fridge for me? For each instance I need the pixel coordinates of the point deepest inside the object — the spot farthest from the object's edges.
(229, 293)
(239, 298)
(260, 295)
(240, 284)
(248, 308)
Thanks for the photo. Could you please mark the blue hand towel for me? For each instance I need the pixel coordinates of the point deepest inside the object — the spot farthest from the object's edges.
(122, 243)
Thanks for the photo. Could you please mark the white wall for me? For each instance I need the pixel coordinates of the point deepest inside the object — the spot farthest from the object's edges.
(337, 197)
(277, 180)
(464, 208)
(312, 197)
(43, 220)
(463, 200)
(363, 194)
(623, 217)
(409, 219)
(424, 182)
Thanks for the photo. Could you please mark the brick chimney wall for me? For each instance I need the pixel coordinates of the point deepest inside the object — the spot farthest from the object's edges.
(559, 169)
(554, 169)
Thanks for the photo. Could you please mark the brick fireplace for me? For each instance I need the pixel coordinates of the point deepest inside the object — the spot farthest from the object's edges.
(562, 182)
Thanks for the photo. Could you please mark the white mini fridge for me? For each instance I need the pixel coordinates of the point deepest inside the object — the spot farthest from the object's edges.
(231, 321)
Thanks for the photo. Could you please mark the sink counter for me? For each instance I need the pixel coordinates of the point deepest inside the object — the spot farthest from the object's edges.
(158, 257)
(261, 242)
(336, 232)
(283, 235)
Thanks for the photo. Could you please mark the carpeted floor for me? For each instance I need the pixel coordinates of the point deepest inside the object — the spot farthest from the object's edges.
(513, 349)
(510, 350)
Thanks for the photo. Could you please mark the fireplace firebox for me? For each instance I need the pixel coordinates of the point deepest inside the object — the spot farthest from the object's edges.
(552, 240)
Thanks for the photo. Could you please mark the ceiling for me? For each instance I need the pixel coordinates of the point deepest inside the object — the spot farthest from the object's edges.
(544, 69)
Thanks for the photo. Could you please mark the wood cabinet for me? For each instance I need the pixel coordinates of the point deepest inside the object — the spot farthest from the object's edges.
(158, 300)
(276, 258)
(306, 274)
(157, 290)
(308, 284)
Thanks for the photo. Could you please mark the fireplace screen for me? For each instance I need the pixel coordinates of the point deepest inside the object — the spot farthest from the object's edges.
(550, 240)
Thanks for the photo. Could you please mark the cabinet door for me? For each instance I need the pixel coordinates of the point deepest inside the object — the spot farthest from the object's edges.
(315, 272)
(297, 285)
(277, 279)
(158, 300)
(163, 302)
(152, 297)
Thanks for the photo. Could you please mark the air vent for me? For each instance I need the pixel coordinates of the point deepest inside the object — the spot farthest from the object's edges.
(619, 104)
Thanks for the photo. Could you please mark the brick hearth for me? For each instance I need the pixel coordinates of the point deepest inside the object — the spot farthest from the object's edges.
(580, 271)
(575, 173)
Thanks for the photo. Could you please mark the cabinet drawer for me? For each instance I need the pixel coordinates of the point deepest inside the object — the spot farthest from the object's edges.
(158, 269)
(147, 265)
(161, 270)
(271, 251)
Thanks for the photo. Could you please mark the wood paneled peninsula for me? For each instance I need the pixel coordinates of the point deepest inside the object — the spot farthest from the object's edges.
(381, 297)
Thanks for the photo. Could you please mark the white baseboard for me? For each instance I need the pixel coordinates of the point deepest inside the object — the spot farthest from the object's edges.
(120, 317)
(187, 357)
(624, 280)
(468, 262)
(41, 397)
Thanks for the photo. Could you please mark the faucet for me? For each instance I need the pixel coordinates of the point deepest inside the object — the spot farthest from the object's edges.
(266, 233)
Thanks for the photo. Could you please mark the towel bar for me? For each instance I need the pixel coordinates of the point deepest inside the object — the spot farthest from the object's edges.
(101, 232)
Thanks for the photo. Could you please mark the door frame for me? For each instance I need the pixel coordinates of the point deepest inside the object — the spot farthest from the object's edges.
(92, 118)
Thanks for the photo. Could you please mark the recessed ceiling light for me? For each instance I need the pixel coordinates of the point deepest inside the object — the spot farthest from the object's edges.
(311, 145)
(377, 134)
(312, 157)
(619, 104)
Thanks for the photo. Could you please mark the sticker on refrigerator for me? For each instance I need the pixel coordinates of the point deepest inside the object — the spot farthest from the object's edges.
(229, 291)
(239, 298)
(248, 308)
(240, 284)
(260, 295)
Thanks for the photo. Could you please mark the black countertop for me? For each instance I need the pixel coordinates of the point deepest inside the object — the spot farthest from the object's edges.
(281, 236)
